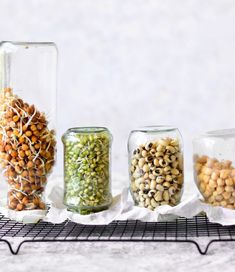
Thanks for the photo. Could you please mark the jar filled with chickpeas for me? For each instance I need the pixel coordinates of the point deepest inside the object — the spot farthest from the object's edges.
(156, 166)
(27, 121)
(214, 167)
(87, 180)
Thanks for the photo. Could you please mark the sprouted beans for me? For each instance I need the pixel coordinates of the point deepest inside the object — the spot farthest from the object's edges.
(27, 151)
(86, 171)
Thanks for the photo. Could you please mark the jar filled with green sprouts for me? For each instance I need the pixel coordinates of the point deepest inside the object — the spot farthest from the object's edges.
(87, 181)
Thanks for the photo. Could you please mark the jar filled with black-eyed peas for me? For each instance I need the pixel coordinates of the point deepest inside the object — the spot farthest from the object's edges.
(156, 166)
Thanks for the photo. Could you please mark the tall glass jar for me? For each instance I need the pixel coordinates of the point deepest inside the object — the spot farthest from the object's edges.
(156, 166)
(27, 120)
(87, 156)
(214, 167)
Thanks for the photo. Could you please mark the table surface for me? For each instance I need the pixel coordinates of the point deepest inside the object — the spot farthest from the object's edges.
(90, 256)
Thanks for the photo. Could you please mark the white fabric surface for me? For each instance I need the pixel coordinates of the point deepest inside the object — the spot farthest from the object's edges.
(122, 208)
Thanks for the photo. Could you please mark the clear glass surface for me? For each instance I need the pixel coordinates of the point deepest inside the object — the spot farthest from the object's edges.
(87, 173)
(156, 166)
(214, 167)
(27, 120)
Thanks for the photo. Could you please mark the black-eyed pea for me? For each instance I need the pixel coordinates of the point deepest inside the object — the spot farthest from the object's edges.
(151, 176)
(144, 153)
(148, 146)
(154, 204)
(164, 203)
(175, 164)
(159, 187)
(163, 142)
(134, 162)
(160, 148)
(159, 155)
(141, 187)
(171, 190)
(156, 162)
(160, 179)
(153, 184)
(175, 171)
(168, 178)
(166, 184)
(171, 149)
(147, 201)
(158, 196)
(167, 169)
(132, 168)
(146, 176)
(141, 162)
(146, 168)
(133, 187)
(166, 196)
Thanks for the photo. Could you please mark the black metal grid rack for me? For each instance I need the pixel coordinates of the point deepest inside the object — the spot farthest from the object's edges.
(181, 230)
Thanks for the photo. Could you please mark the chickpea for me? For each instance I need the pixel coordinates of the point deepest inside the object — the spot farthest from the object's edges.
(216, 181)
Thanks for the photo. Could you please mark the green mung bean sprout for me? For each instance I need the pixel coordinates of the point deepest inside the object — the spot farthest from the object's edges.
(87, 169)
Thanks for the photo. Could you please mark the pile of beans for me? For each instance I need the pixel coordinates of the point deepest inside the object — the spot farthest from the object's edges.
(156, 172)
(27, 151)
(87, 172)
(216, 181)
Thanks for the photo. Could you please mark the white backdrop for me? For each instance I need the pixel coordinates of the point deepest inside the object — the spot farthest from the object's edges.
(128, 63)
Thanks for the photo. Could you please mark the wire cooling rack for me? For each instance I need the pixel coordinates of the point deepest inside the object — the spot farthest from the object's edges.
(181, 230)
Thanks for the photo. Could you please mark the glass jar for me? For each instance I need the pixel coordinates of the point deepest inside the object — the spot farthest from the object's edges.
(214, 167)
(87, 153)
(156, 166)
(27, 120)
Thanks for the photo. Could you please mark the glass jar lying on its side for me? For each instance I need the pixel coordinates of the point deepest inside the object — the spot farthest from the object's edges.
(214, 168)
(156, 166)
(87, 169)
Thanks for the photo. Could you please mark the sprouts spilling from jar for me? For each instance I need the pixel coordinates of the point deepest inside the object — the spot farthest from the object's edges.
(27, 151)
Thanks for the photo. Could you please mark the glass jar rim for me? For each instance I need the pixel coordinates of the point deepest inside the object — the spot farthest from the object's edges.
(153, 129)
(221, 132)
(87, 130)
